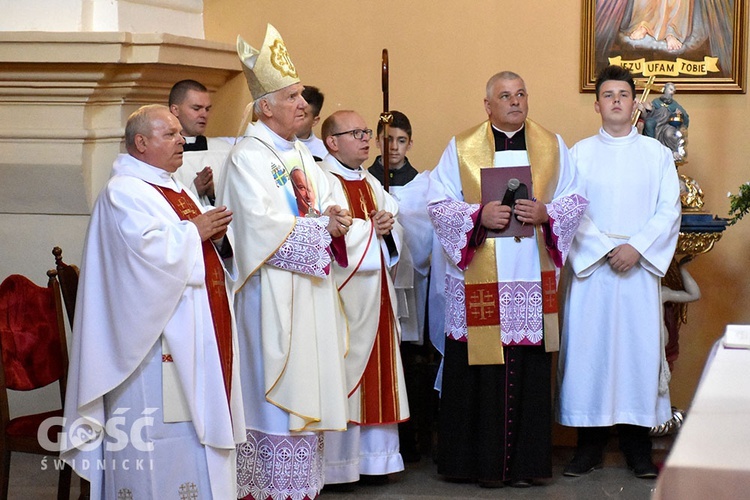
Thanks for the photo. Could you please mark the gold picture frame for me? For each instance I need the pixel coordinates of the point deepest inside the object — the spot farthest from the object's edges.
(636, 34)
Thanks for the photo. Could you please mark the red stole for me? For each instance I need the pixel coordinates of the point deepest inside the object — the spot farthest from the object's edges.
(379, 384)
(218, 301)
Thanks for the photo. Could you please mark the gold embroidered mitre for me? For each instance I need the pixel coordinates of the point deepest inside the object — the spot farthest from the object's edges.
(268, 69)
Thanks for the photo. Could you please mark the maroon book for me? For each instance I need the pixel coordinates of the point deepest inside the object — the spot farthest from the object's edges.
(507, 184)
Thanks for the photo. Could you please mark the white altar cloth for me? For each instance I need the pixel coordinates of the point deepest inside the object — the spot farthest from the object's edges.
(711, 457)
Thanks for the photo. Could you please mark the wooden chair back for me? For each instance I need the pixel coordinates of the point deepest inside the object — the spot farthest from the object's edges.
(67, 275)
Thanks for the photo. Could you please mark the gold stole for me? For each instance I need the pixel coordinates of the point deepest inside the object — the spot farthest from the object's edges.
(218, 301)
(476, 149)
(379, 383)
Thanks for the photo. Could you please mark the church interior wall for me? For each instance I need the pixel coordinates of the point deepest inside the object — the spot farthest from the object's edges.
(441, 54)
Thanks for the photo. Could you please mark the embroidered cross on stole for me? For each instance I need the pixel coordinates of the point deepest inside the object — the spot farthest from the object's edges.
(476, 149)
(218, 301)
(379, 383)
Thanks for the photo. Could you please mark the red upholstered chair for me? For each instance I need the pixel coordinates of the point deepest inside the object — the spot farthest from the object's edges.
(34, 355)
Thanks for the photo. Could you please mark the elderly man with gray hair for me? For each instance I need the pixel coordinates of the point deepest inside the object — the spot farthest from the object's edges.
(153, 406)
(494, 269)
(290, 322)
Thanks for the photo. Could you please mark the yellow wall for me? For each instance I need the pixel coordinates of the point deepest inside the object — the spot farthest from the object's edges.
(441, 54)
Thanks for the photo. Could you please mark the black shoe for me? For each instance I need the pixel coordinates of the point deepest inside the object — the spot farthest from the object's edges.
(491, 483)
(340, 488)
(583, 463)
(520, 483)
(411, 457)
(373, 480)
(643, 467)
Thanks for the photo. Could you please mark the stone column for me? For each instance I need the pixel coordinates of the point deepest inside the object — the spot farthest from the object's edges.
(71, 72)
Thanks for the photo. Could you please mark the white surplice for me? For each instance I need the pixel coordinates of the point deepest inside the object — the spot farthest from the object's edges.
(610, 352)
(518, 265)
(195, 161)
(143, 280)
(425, 250)
(316, 145)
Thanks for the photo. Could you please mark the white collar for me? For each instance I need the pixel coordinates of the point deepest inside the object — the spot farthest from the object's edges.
(126, 164)
(344, 171)
(509, 134)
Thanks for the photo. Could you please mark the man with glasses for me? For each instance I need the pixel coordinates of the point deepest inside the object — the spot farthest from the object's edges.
(500, 315)
(369, 449)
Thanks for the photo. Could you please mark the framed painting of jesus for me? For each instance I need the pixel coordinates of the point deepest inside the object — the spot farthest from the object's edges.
(700, 45)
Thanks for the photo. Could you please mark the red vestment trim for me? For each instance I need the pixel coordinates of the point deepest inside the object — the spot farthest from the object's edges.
(549, 292)
(218, 301)
(482, 304)
(379, 383)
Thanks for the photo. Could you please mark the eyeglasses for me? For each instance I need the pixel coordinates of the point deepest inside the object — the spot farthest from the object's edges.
(357, 133)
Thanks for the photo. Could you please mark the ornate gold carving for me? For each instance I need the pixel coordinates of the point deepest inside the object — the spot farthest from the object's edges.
(696, 243)
(691, 194)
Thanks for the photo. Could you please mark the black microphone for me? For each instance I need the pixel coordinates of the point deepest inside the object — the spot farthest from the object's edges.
(517, 190)
(510, 193)
(522, 192)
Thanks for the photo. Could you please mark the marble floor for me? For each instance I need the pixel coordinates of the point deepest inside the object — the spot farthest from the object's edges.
(28, 481)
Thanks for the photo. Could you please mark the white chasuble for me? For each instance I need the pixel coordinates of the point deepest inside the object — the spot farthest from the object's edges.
(143, 277)
(283, 261)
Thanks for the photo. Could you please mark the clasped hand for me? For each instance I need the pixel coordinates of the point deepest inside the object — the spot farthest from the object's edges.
(496, 216)
(339, 220)
(531, 212)
(213, 224)
(623, 257)
(383, 221)
(204, 182)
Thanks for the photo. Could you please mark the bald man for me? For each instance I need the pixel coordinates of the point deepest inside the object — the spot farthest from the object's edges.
(369, 450)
